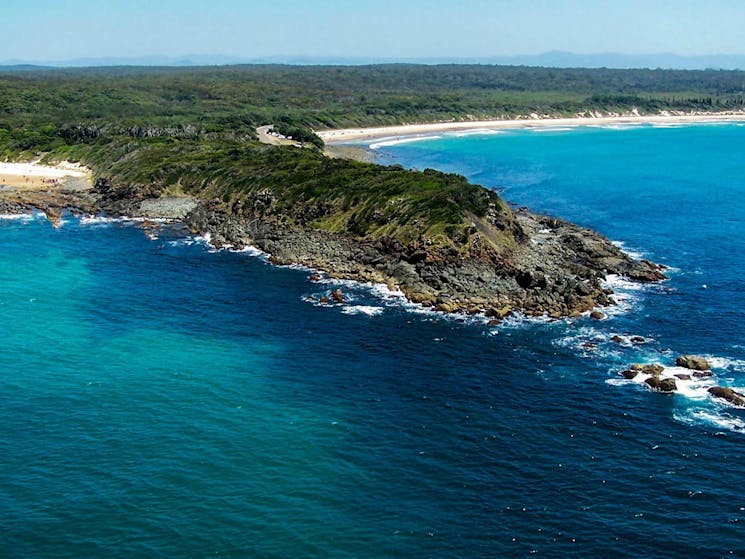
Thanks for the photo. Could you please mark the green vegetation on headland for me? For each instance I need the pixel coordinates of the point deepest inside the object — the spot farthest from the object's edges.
(145, 130)
(148, 133)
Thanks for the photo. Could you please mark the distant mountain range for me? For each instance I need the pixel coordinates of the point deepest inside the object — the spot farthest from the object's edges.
(557, 59)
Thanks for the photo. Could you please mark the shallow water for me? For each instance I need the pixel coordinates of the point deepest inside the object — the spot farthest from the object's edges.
(161, 399)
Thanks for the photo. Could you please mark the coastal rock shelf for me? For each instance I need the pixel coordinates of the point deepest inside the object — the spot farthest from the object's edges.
(556, 268)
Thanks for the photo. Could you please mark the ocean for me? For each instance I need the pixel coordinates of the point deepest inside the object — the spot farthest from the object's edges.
(159, 398)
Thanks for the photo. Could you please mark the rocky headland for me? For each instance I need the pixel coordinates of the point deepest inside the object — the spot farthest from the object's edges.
(555, 268)
(508, 260)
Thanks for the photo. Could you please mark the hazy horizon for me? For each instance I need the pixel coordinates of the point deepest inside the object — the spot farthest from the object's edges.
(557, 59)
(47, 32)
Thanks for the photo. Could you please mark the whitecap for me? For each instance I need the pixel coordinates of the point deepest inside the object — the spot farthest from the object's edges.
(635, 254)
(553, 129)
(629, 126)
(363, 309)
(399, 141)
(476, 132)
(99, 220)
(25, 217)
(726, 363)
(719, 420)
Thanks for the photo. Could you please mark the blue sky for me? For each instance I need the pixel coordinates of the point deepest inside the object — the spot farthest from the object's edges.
(65, 29)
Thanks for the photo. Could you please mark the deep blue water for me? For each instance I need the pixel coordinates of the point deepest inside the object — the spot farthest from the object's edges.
(158, 399)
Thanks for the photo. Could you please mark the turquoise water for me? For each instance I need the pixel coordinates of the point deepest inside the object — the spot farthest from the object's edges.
(160, 399)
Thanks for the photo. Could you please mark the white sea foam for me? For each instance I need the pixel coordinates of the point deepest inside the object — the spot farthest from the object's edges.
(617, 126)
(476, 132)
(696, 389)
(100, 220)
(553, 129)
(626, 293)
(719, 420)
(726, 363)
(25, 218)
(398, 141)
(363, 309)
(635, 254)
(594, 344)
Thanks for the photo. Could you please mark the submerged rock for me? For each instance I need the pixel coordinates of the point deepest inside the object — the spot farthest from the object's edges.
(694, 362)
(732, 396)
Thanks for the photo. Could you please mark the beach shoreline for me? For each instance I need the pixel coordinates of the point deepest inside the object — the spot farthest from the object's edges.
(32, 175)
(348, 135)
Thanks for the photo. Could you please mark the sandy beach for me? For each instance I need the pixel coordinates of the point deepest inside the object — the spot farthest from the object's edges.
(33, 176)
(364, 134)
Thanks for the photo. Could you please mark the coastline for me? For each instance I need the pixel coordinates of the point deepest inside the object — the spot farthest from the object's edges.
(515, 261)
(345, 135)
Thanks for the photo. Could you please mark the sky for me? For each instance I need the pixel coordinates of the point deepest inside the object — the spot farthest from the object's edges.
(45, 30)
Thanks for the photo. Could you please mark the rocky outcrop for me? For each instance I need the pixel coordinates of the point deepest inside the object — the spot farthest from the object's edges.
(728, 394)
(556, 269)
(693, 362)
(8, 207)
(662, 384)
(654, 369)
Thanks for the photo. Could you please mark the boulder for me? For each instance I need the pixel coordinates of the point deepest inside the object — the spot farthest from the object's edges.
(616, 339)
(653, 369)
(315, 277)
(638, 340)
(337, 296)
(498, 312)
(732, 396)
(323, 300)
(629, 373)
(703, 374)
(693, 362)
(683, 376)
(597, 315)
(662, 385)
(447, 306)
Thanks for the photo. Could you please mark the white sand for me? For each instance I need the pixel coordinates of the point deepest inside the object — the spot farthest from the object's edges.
(363, 134)
(33, 169)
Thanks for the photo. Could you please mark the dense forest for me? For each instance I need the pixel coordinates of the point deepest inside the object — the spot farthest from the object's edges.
(149, 130)
(219, 98)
